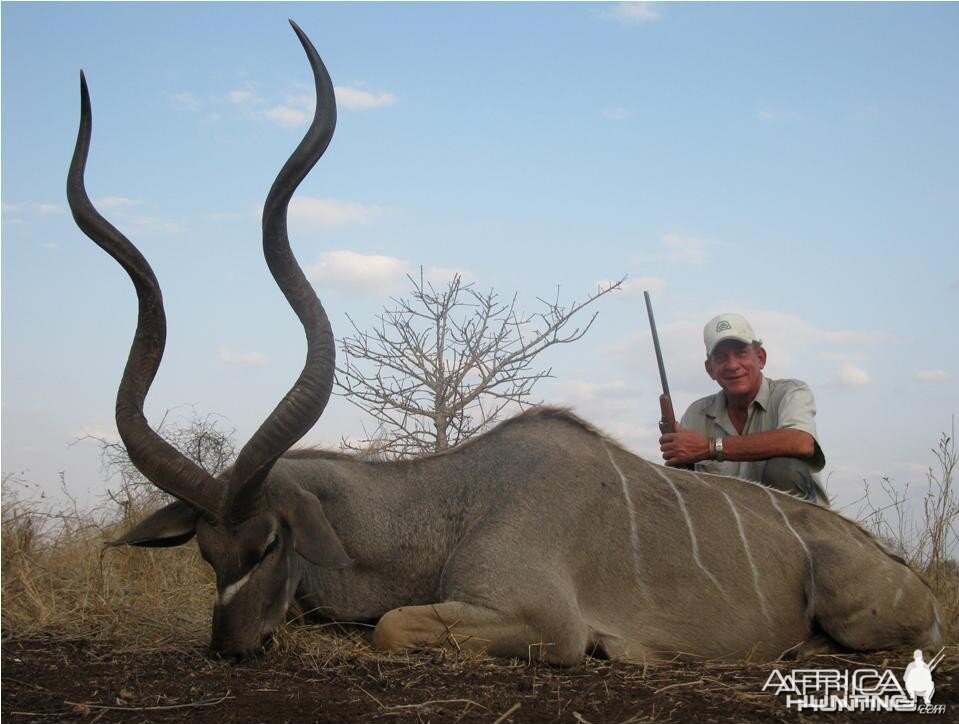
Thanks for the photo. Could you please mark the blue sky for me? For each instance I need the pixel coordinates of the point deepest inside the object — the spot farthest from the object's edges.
(797, 163)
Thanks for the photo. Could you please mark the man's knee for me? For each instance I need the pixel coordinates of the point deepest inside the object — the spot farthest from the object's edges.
(793, 476)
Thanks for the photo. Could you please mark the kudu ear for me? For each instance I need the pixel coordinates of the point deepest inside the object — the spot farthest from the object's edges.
(313, 536)
(172, 525)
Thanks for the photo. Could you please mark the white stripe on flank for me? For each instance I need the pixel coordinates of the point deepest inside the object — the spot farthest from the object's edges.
(812, 578)
(749, 557)
(934, 635)
(633, 530)
(689, 527)
(906, 575)
(897, 597)
(227, 594)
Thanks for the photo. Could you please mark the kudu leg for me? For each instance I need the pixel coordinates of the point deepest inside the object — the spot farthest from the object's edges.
(467, 627)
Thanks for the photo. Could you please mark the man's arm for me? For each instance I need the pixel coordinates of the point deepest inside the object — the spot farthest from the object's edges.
(687, 447)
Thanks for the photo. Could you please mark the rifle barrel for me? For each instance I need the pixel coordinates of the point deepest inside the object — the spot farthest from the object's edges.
(659, 352)
(937, 659)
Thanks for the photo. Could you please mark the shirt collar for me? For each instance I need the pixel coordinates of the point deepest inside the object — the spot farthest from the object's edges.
(762, 397)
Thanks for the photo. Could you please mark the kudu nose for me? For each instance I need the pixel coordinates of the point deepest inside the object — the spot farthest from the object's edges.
(233, 653)
(227, 657)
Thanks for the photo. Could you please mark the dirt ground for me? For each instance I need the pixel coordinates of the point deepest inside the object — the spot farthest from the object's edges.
(324, 677)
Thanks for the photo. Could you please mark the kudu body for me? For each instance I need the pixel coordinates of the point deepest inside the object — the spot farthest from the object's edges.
(542, 539)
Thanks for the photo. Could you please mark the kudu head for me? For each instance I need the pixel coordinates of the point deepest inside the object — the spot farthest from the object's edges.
(254, 533)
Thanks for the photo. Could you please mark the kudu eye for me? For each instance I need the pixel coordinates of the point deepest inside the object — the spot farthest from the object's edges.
(270, 547)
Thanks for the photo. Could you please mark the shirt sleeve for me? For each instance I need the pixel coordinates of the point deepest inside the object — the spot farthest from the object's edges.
(797, 411)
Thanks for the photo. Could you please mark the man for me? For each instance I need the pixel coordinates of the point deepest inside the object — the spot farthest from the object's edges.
(754, 428)
(918, 678)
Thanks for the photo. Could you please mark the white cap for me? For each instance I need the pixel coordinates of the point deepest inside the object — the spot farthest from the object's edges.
(728, 326)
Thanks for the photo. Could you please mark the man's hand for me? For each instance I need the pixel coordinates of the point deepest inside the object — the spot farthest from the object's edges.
(684, 447)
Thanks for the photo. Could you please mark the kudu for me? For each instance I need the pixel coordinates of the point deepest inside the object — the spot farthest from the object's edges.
(542, 539)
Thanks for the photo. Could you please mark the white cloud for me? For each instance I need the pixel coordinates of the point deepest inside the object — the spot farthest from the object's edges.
(355, 273)
(97, 431)
(616, 407)
(361, 100)
(643, 439)
(252, 359)
(32, 207)
(632, 13)
(116, 202)
(120, 209)
(286, 116)
(351, 272)
(687, 249)
(149, 225)
(932, 376)
(682, 249)
(634, 287)
(852, 376)
(311, 213)
(305, 101)
(241, 97)
(784, 329)
(840, 356)
(683, 352)
(578, 393)
(227, 216)
(788, 336)
(296, 111)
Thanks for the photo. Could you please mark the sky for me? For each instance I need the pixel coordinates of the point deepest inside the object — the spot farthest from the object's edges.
(795, 163)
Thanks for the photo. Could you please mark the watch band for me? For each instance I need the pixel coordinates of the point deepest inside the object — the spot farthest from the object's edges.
(720, 454)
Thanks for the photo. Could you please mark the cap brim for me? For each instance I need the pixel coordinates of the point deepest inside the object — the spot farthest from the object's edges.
(735, 338)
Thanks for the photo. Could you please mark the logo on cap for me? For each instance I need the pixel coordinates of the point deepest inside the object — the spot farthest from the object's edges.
(723, 326)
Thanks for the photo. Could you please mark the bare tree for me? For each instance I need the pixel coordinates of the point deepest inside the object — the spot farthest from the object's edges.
(442, 364)
(204, 438)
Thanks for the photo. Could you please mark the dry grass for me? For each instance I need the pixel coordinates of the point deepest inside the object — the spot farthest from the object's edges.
(58, 578)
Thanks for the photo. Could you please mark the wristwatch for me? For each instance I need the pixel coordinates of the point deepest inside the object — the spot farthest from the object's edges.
(719, 454)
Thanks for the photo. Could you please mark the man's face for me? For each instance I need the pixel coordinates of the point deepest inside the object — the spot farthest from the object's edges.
(737, 367)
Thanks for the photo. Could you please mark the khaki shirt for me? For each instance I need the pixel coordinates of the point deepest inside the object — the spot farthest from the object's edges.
(779, 404)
